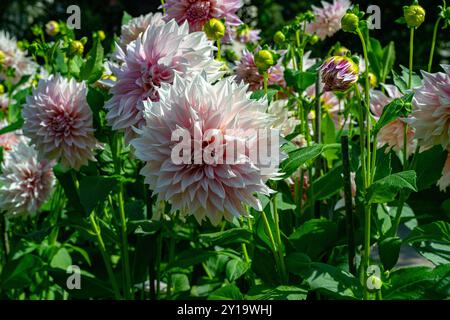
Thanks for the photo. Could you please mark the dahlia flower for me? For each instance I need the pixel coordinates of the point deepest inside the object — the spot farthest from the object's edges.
(393, 133)
(4, 102)
(431, 115)
(444, 181)
(198, 12)
(338, 73)
(284, 119)
(205, 189)
(328, 18)
(245, 34)
(13, 57)
(130, 31)
(26, 182)
(247, 71)
(7, 140)
(154, 58)
(59, 121)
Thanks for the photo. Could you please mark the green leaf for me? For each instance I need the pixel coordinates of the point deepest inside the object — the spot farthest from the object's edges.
(438, 231)
(126, 18)
(235, 269)
(259, 94)
(12, 127)
(386, 189)
(65, 179)
(95, 190)
(329, 184)
(429, 166)
(61, 259)
(190, 257)
(227, 292)
(180, 282)
(227, 237)
(265, 292)
(299, 80)
(314, 237)
(93, 68)
(299, 157)
(389, 250)
(392, 111)
(388, 60)
(17, 274)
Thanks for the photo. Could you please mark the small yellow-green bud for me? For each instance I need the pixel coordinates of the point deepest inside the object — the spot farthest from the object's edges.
(314, 39)
(101, 35)
(2, 89)
(2, 57)
(264, 59)
(350, 22)
(52, 28)
(414, 15)
(76, 48)
(373, 80)
(279, 37)
(214, 29)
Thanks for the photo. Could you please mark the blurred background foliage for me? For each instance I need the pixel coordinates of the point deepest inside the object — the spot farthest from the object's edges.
(17, 16)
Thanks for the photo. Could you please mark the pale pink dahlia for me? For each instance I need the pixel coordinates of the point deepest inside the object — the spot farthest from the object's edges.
(328, 18)
(247, 71)
(431, 115)
(154, 58)
(393, 133)
(12, 57)
(330, 103)
(198, 12)
(7, 140)
(59, 121)
(130, 31)
(199, 187)
(26, 182)
(444, 181)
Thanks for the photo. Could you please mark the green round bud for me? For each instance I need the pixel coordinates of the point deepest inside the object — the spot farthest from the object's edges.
(279, 37)
(314, 39)
(350, 22)
(214, 29)
(373, 80)
(2, 89)
(76, 48)
(52, 28)
(414, 15)
(264, 59)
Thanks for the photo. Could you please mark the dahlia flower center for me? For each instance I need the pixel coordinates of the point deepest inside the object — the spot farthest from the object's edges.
(198, 11)
(152, 77)
(61, 123)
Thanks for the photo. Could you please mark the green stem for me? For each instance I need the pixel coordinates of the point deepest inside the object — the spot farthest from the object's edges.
(102, 247)
(367, 217)
(272, 242)
(126, 259)
(219, 51)
(433, 43)
(163, 7)
(411, 57)
(278, 239)
(266, 82)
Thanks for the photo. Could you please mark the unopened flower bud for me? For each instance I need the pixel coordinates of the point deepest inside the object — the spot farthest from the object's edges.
(264, 60)
(414, 15)
(341, 51)
(214, 29)
(76, 48)
(52, 28)
(314, 39)
(373, 80)
(101, 35)
(279, 37)
(2, 57)
(350, 22)
(2, 89)
(339, 73)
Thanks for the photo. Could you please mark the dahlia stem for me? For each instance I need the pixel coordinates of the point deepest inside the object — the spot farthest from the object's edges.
(272, 243)
(219, 51)
(266, 81)
(278, 239)
(411, 57)
(102, 248)
(433, 43)
(163, 5)
(126, 260)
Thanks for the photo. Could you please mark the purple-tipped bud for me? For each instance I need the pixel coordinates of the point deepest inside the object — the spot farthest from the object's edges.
(339, 73)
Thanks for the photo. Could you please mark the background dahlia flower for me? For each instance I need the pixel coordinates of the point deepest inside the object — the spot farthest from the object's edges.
(152, 59)
(7, 140)
(26, 182)
(13, 57)
(328, 18)
(393, 133)
(130, 31)
(198, 12)
(213, 190)
(431, 115)
(59, 121)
